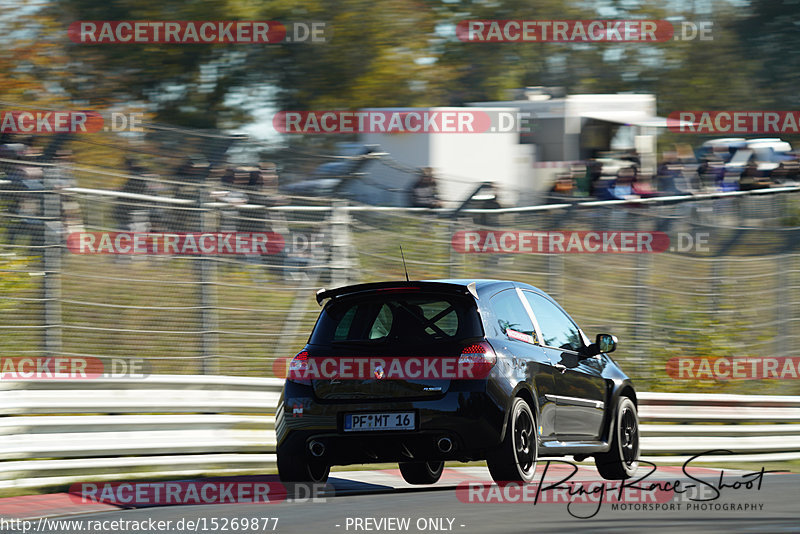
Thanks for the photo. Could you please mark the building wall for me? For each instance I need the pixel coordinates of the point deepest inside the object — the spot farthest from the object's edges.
(460, 161)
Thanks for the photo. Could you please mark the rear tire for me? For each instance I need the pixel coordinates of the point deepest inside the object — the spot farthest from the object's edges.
(622, 460)
(298, 468)
(515, 459)
(421, 472)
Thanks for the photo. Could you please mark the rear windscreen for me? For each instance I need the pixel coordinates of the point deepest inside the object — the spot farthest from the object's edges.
(398, 317)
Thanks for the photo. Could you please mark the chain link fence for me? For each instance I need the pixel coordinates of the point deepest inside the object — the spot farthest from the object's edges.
(738, 295)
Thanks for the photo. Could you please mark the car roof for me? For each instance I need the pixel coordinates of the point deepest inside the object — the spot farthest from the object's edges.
(478, 287)
(725, 141)
(776, 144)
(487, 283)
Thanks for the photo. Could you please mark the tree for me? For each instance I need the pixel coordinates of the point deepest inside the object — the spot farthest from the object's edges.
(769, 35)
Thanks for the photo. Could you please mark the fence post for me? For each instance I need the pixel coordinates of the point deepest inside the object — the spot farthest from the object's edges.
(206, 269)
(642, 320)
(454, 263)
(783, 309)
(715, 285)
(52, 269)
(340, 244)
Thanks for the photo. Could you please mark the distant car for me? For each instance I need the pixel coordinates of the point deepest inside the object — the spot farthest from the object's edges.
(524, 382)
(333, 179)
(769, 153)
(723, 148)
(748, 163)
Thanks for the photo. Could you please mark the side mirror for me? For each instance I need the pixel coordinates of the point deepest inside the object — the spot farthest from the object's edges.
(605, 343)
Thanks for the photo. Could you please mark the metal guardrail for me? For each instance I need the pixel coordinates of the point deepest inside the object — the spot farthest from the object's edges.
(667, 199)
(61, 431)
(751, 427)
(56, 432)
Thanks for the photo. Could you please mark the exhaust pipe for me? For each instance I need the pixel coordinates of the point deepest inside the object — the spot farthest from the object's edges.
(445, 444)
(316, 448)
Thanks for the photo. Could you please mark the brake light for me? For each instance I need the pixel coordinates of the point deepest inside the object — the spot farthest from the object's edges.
(298, 368)
(397, 289)
(479, 356)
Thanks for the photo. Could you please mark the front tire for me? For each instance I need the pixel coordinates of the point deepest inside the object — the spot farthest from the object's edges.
(622, 460)
(421, 472)
(515, 459)
(298, 468)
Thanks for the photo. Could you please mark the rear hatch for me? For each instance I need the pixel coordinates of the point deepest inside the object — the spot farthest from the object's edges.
(392, 343)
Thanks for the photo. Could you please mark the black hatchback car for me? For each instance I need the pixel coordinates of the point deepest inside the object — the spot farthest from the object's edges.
(424, 372)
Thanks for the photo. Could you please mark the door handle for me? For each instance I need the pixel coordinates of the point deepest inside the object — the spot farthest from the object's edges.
(560, 367)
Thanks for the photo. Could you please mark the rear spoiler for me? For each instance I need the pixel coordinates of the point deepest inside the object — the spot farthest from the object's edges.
(458, 289)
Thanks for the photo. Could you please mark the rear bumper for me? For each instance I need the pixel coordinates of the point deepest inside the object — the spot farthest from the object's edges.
(471, 420)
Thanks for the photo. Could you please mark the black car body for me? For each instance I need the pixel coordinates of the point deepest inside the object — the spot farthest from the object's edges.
(545, 390)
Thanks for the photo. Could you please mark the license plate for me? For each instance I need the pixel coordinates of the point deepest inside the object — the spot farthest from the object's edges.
(363, 422)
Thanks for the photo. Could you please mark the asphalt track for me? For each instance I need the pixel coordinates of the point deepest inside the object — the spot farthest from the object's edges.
(372, 496)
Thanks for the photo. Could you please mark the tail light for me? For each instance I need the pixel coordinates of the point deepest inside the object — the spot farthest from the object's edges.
(298, 368)
(480, 357)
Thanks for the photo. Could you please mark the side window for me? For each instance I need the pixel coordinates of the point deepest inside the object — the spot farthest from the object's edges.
(511, 314)
(343, 328)
(557, 328)
(383, 323)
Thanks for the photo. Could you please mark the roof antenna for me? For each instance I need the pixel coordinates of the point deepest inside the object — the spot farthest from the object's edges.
(404, 263)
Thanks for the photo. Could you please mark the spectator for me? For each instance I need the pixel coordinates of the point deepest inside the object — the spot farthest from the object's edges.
(269, 174)
(59, 175)
(193, 173)
(128, 211)
(487, 199)
(643, 186)
(787, 172)
(594, 173)
(711, 171)
(670, 177)
(623, 188)
(423, 192)
(752, 177)
(564, 185)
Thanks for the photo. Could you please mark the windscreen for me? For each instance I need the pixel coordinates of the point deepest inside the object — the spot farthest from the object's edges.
(404, 318)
